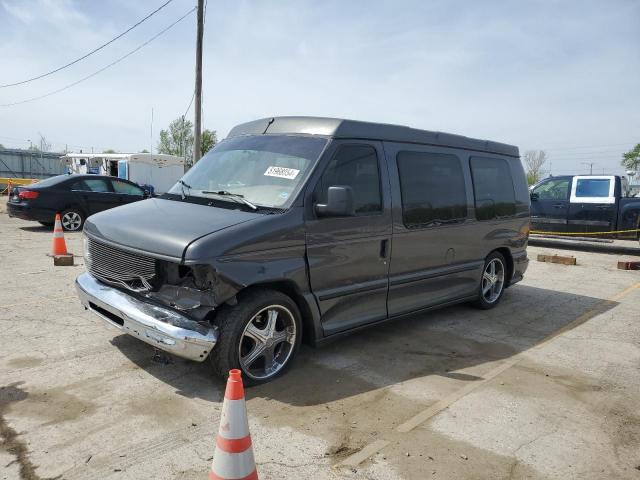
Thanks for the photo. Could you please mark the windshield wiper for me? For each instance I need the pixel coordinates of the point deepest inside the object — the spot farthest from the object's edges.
(184, 184)
(225, 193)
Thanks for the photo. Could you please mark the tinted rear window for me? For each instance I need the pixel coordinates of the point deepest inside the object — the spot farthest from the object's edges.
(493, 188)
(432, 187)
(47, 182)
(592, 187)
(91, 185)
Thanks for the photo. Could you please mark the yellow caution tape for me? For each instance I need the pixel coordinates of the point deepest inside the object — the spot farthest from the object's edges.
(582, 234)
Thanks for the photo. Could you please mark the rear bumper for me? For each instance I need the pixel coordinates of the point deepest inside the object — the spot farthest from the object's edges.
(27, 212)
(161, 327)
(19, 211)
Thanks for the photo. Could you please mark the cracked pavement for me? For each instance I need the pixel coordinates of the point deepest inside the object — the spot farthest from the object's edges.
(79, 400)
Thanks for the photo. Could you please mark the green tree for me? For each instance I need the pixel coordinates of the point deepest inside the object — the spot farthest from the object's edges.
(109, 150)
(144, 150)
(1, 146)
(209, 140)
(177, 139)
(631, 159)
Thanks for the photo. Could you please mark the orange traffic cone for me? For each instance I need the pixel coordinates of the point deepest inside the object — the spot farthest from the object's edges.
(59, 246)
(233, 457)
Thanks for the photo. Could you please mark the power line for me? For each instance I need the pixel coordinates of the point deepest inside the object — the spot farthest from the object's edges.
(590, 146)
(586, 152)
(91, 52)
(190, 103)
(103, 68)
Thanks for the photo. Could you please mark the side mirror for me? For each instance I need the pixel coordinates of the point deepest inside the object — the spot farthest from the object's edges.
(339, 203)
(534, 196)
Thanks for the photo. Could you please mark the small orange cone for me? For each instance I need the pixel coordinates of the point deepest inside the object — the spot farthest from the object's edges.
(59, 246)
(233, 457)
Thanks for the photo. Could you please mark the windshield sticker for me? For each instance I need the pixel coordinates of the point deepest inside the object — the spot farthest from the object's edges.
(284, 195)
(282, 172)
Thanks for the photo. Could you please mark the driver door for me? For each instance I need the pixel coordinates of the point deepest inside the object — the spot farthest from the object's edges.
(550, 205)
(348, 257)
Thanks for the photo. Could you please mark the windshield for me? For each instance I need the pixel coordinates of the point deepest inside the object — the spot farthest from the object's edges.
(267, 170)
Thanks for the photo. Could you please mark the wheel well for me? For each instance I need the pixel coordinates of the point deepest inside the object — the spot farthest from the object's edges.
(291, 290)
(75, 206)
(506, 253)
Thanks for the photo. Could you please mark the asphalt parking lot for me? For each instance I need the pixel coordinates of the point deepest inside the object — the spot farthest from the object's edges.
(544, 386)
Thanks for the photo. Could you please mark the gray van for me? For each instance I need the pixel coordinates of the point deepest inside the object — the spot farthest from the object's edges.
(302, 228)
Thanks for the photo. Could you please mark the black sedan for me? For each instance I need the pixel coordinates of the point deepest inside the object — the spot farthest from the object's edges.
(75, 197)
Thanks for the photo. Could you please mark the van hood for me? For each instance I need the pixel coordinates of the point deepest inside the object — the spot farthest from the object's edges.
(162, 227)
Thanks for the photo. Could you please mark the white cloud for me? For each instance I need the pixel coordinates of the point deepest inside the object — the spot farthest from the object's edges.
(538, 74)
(18, 9)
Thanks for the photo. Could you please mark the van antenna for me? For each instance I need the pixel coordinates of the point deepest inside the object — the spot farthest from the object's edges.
(271, 120)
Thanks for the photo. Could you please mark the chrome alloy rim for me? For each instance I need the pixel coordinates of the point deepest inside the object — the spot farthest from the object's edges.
(71, 221)
(267, 342)
(493, 280)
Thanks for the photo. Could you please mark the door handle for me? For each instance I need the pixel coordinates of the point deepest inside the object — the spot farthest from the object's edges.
(603, 207)
(558, 205)
(384, 248)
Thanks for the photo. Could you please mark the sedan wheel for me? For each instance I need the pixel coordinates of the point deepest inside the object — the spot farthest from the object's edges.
(71, 220)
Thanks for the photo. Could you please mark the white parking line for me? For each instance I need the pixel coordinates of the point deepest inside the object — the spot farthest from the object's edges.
(443, 404)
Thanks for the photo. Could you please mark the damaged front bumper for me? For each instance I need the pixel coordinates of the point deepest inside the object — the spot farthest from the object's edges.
(161, 327)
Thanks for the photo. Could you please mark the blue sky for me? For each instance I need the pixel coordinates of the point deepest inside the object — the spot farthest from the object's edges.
(559, 75)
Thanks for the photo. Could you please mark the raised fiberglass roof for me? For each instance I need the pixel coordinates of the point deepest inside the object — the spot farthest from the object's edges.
(341, 128)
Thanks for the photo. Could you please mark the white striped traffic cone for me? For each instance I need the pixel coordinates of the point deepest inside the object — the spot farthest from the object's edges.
(58, 247)
(233, 457)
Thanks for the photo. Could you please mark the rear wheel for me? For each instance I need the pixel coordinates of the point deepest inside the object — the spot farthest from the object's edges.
(492, 282)
(72, 220)
(260, 336)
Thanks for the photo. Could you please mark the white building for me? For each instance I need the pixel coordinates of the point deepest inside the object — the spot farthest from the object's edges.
(157, 170)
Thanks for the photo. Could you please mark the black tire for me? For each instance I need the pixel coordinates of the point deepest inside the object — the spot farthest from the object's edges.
(69, 219)
(484, 301)
(232, 322)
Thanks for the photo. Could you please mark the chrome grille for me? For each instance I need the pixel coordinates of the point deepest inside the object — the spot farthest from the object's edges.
(119, 267)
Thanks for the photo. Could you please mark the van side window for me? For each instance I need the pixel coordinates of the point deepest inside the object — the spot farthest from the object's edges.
(554, 189)
(355, 166)
(493, 188)
(432, 188)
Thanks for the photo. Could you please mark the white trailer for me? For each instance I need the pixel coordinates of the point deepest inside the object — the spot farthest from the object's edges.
(157, 170)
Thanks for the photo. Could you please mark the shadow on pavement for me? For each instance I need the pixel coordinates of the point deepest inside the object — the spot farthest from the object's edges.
(440, 342)
(37, 228)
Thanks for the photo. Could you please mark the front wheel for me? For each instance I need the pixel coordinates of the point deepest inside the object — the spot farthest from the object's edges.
(260, 336)
(492, 282)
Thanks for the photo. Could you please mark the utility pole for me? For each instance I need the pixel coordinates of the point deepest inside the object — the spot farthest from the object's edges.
(197, 124)
(591, 164)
